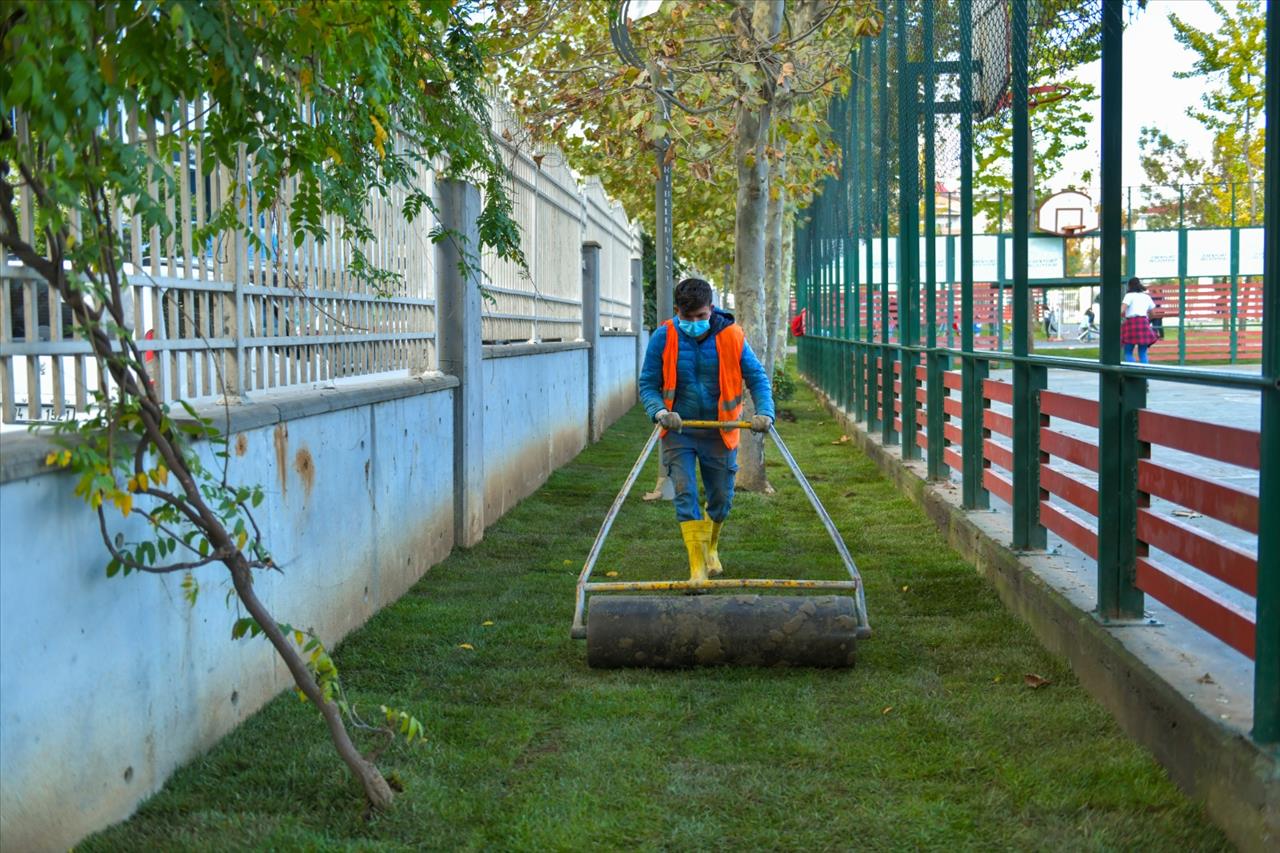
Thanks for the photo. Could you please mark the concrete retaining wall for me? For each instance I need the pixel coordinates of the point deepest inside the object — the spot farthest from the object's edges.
(109, 685)
(616, 384)
(535, 416)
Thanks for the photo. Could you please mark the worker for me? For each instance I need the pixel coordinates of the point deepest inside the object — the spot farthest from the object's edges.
(695, 369)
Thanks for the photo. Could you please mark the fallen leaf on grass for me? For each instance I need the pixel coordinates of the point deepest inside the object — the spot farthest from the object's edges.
(611, 574)
(1186, 513)
(467, 646)
(568, 562)
(905, 588)
(844, 439)
(1035, 681)
(886, 710)
(486, 623)
(997, 679)
(1206, 679)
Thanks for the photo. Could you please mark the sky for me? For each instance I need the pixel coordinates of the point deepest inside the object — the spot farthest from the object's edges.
(1152, 95)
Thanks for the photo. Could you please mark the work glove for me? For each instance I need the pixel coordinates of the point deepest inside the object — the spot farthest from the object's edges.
(668, 420)
(761, 423)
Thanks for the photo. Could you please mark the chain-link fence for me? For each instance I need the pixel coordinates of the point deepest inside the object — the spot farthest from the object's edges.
(938, 286)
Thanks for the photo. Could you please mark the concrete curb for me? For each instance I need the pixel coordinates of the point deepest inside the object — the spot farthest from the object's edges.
(22, 454)
(1237, 781)
(512, 350)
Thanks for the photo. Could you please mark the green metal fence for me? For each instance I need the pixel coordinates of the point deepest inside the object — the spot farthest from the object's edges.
(892, 340)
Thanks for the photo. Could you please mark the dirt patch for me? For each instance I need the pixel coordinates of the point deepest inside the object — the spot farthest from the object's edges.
(306, 469)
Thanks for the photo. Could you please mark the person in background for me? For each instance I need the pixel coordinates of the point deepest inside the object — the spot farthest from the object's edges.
(1090, 327)
(1136, 330)
(1157, 315)
(696, 368)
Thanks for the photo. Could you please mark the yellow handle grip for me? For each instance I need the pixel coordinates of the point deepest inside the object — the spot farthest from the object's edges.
(716, 424)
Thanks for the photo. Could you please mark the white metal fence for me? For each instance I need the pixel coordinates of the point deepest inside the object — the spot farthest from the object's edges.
(231, 318)
(556, 216)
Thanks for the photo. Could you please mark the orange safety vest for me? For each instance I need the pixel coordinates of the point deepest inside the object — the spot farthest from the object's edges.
(729, 343)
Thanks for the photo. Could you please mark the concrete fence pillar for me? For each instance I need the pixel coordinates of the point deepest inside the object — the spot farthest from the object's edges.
(637, 309)
(458, 343)
(591, 333)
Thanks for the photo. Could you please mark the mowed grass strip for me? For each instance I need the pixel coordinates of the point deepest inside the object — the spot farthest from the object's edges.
(933, 741)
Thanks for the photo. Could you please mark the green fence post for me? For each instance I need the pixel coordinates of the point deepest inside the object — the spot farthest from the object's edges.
(1027, 532)
(887, 433)
(1118, 399)
(935, 362)
(908, 237)
(868, 146)
(852, 141)
(1266, 672)
(1235, 292)
(973, 372)
(1001, 257)
(1182, 275)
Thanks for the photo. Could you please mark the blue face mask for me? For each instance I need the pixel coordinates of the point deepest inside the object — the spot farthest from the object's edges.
(694, 328)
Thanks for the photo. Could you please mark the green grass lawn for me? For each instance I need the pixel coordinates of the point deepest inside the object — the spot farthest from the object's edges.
(932, 741)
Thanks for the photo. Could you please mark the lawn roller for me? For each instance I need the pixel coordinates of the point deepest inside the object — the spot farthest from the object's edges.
(817, 629)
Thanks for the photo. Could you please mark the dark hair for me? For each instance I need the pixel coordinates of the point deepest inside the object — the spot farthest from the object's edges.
(1135, 285)
(692, 294)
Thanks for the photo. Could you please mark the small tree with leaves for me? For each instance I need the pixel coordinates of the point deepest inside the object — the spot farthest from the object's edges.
(314, 93)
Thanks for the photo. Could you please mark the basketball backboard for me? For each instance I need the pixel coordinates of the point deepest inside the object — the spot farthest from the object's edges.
(1068, 212)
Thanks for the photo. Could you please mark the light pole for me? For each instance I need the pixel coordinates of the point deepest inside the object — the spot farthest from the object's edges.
(621, 39)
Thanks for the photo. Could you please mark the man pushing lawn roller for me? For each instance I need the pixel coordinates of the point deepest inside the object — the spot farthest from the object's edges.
(695, 369)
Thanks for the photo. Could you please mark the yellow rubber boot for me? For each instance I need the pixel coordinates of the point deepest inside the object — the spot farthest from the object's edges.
(695, 542)
(714, 569)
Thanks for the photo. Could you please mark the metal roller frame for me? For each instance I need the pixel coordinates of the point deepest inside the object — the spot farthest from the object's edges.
(854, 584)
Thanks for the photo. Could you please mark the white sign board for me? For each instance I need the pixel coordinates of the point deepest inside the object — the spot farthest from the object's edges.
(1156, 254)
(877, 246)
(1209, 252)
(985, 257)
(940, 262)
(1044, 258)
(1250, 251)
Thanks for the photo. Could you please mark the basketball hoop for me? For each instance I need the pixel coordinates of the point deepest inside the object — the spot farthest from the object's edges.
(1067, 214)
(992, 38)
(1037, 96)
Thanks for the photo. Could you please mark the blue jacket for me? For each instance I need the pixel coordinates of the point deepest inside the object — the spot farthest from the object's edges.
(698, 374)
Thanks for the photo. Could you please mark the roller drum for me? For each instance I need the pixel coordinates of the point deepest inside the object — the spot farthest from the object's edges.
(707, 630)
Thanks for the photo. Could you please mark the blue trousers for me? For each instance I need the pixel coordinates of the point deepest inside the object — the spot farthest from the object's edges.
(681, 453)
(1142, 353)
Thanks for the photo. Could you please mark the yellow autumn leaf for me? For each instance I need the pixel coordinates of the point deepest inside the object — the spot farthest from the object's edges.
(107, 67)
(124, 501)
(241, 539)
(52, 458)
(95, 500)
(466, 646)
(65, 459)
(160, 475)
(486, 623)
(611, 574)
(304, 76)
(334, 155)
(142, 481)
(379, 136)
(299, 637)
